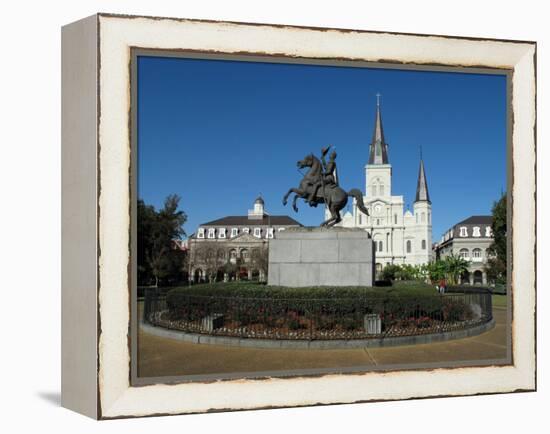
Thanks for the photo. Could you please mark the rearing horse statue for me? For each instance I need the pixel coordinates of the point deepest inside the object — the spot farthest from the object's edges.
(330, 194)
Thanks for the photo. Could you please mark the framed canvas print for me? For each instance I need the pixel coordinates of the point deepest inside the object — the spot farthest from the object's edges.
(265, 216)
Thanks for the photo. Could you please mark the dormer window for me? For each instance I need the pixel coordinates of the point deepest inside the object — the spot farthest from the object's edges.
(200, 234)
(463, 231)
(234, 232)
(488, 232)
(257, 232)
(269, 233)
(221, 233)
(211, 233)
(246, 230)
(477, 232)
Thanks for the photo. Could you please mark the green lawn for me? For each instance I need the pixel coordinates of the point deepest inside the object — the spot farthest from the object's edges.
(499, 300)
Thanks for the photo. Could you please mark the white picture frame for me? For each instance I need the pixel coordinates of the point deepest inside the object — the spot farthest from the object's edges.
(96, 182)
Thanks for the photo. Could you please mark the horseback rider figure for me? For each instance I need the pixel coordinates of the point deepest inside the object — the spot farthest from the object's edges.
(322, 175)
(328, 178)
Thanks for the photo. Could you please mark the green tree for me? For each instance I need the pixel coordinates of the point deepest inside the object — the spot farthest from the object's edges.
(390, 271)
(436, 270)
(146, 216)
(454, 267)
(158, 256)
(497, 262)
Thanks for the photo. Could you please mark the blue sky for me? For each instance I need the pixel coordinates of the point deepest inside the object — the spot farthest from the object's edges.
(218, 133)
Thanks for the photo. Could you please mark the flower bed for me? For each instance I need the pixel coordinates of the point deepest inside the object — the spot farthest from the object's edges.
(258, 311)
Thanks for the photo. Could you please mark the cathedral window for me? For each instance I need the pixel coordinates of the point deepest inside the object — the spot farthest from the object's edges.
(200, 233)
(476, 253)
(234, 232)
(211, 233)
(257, 232)
(221, 233)
(463, 231)
(464, 253)
(477, 232)
(423, 244)
(408, 246)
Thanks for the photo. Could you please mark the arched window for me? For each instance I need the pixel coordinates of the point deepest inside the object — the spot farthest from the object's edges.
(476, 253)
(360, 219)
(381, 189)
(478, 277)
(233, 253)
(395, 219)
(423, 244)
(416, 218)
(244, 253)
(380, 246)
(408, 246)
(373, 188)
(423, 217)
(464, 253)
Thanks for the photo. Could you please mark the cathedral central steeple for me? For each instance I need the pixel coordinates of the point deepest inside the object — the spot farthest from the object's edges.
(422, 194)
(378, 153)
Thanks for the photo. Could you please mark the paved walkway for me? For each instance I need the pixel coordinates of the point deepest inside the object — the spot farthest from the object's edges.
(160, 356)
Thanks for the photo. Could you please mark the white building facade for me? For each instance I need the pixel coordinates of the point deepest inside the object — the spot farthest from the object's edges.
(400, 237)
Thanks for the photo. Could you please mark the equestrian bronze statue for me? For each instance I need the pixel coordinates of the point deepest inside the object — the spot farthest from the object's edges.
(320, 185)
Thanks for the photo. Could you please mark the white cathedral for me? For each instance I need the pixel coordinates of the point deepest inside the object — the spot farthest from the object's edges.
(400, 237)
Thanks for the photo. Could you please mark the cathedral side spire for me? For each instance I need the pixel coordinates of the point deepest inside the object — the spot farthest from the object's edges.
(378, 153)
(422, 194)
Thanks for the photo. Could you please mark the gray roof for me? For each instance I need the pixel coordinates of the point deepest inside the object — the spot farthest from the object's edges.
(243, 220)
(378, 148)
(477, 220)
(422, 194)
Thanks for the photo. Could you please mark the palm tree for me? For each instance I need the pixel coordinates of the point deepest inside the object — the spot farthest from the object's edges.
(454, 267)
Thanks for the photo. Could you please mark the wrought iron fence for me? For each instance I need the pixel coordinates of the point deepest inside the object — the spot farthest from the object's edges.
(312, 319)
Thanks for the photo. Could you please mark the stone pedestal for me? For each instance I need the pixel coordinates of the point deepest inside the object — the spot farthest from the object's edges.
(321, 257)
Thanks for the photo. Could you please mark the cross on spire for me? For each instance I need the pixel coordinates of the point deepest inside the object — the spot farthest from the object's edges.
(378, 99)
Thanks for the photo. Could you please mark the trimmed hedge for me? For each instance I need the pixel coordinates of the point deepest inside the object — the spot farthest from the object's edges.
(328, 307)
